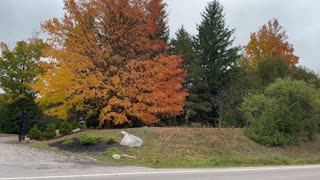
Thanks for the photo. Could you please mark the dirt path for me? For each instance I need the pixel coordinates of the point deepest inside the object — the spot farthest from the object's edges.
(17, 160)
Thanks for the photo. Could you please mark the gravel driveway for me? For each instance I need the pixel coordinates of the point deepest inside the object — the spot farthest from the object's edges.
(17, 160)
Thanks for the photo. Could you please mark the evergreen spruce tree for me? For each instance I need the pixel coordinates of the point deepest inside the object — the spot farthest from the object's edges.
(197, 102)
(216, 57)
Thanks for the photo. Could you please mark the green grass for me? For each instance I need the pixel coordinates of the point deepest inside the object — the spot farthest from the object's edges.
(201, 147)
(113, 151)
(67, 142)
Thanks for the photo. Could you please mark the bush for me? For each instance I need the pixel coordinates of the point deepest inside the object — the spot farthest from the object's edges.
(58, 123)
(113, 151)
(11, 109)
(34, 133)
(98, 127)
(83, 126)
(50, 131)
(65, 128)
(75, 125)
(111, 140)
(89, 139)
(286, 113)
(68, 142)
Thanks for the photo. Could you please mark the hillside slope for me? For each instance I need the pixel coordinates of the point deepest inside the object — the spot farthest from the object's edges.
(203, 147)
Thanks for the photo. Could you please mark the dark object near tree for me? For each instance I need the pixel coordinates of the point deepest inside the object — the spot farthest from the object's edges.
(23, 123)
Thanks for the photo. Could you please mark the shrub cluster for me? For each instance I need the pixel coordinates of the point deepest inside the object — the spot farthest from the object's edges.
(111, 140)
(35, 133)
(50, 131)
(89, 139)
(285, 113)
(65, 128)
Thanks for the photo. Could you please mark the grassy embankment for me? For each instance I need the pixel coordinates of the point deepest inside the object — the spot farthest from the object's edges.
(201, 147)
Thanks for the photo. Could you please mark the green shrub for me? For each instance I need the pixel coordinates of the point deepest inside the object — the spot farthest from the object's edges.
(286, 113)
(89, 139)
(83, 126)
(111, 140)
(68, 142)
(58, 123)
(34, 133)
(113, 151)
(75, 125)
(50, 131)
(65, 128)
(11, 109)
(98, 127)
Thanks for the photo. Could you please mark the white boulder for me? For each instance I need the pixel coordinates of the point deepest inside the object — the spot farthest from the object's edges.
(116, 156)
(130, 140)
(76, 130)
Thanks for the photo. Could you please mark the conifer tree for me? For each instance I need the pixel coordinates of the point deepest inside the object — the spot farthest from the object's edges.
(216, 56)
(197, 101)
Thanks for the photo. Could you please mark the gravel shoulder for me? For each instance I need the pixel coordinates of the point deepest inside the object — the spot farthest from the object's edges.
(17, 160)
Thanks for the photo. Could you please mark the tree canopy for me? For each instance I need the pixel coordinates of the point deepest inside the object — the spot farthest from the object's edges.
(107, 61)
(270, 42)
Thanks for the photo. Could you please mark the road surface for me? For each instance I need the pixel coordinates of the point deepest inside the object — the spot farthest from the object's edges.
(21, 162)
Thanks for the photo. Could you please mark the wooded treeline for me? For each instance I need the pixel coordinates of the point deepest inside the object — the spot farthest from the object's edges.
(112, 63)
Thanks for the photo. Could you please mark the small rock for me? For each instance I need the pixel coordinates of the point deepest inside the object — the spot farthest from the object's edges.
(76, 130)
(116, 156)
(126, 156)
(57, 132)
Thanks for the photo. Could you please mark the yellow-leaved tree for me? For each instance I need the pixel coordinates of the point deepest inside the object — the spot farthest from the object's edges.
(270, 42)
(104, 62)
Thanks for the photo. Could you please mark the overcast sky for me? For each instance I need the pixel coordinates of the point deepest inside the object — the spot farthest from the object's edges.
(20, 18)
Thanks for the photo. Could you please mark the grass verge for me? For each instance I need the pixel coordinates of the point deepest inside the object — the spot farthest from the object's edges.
(199, 148)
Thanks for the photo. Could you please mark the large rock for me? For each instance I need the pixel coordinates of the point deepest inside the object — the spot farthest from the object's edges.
(130, 140)
(116, 156)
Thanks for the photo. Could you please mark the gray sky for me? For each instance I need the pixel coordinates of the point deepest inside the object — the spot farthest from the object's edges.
(20, 18)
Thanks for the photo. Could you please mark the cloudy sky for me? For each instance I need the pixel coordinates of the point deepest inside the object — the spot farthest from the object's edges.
(19, 19)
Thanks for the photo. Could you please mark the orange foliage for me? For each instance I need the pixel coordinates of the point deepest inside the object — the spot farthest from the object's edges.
(270, 42)
(103, 62)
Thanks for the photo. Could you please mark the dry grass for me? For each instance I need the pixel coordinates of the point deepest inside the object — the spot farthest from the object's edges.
(5, 135)
(205, 147)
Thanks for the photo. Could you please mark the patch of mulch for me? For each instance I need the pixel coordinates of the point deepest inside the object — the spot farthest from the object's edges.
(101, 146)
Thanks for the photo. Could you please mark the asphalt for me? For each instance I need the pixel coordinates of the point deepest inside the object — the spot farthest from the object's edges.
(46, 165)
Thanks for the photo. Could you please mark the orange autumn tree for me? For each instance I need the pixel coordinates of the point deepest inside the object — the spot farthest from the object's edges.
(104, 62)
(270, 42)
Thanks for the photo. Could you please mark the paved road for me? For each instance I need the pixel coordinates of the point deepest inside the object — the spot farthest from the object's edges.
(20, 162)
